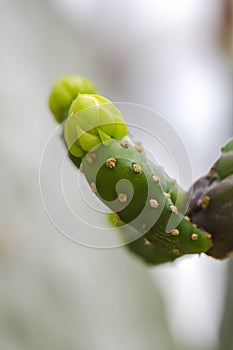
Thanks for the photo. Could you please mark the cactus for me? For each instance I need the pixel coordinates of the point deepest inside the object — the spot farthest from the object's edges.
(211, 207)
(150, 210)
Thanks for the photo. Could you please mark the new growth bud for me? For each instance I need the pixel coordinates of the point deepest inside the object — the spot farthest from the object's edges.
(92, 120)
(64, 92)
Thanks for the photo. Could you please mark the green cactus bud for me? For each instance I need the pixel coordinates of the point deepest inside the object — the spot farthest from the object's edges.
(211, 207)
(64, 91)
(92, 120)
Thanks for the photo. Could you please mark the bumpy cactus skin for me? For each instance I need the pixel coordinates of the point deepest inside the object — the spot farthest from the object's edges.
(123, 179)
(147, 251)
(211, 207)
(148, 207)
(118, 172)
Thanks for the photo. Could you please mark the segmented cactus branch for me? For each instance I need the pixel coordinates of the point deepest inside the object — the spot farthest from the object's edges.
(148, 207)
(211, 207)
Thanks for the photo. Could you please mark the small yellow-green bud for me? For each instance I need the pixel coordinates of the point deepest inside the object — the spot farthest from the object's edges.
(64, 92)
(92, 120)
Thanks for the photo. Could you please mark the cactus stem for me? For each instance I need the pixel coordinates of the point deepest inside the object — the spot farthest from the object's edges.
(175, 232)
(194, 237)
(122, 197)
(110, 163)
(93, 187)
(153, 203)
(124, 143)
(173, 208)
(205, 202)
(136, 168)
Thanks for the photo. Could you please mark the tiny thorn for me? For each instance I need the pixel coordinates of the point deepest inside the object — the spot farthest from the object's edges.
(212, 170)
(173, 208)
(175, 232)
(176, 251)
(187, 218)
(91, 158)
(136, 168)
(110, 163)
(156, 178)
(124, 143)
(122, 197)
(194, 237)
(205, 202)
(209, 236)
(138, 148)
(81, 168)
(116, 219)
(153, 203)
(147, 242)
(93, 187)
(168, 195)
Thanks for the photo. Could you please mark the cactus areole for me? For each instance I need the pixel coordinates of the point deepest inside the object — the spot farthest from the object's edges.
(146, 204)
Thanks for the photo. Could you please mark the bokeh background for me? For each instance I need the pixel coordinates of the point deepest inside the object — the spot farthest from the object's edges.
(170, 55)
